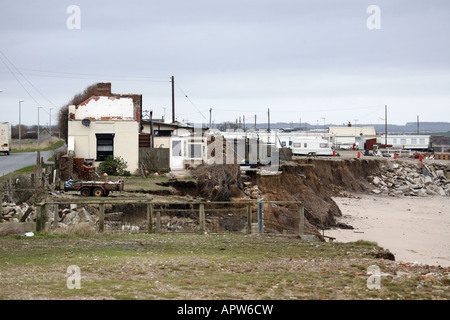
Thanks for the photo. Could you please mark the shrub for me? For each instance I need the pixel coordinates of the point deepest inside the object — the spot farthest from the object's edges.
(114, 166)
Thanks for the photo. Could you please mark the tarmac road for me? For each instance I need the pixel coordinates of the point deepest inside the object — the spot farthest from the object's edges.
(17, 161)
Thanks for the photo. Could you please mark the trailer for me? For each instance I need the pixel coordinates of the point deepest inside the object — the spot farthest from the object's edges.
(94, 188)
(311, 146)
(5, 138)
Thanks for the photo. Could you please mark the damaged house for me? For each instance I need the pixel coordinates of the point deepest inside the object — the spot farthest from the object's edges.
(175, 145)
(106, 124)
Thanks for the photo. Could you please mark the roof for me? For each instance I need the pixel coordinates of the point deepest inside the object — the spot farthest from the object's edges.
(352, 131)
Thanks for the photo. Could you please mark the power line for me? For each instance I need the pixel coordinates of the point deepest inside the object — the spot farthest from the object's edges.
(190, 100)
(86, 76)
(21, 84)
(30, 83)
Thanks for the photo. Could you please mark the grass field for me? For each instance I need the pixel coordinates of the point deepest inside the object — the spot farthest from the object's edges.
(205, 267)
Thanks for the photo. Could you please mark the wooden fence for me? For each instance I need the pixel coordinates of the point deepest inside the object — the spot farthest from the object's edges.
(155, 158)
(155, 209)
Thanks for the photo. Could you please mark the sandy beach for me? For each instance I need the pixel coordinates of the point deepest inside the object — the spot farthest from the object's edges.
(414, 229)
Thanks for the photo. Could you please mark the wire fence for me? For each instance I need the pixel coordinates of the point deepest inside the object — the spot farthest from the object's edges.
(186, 217)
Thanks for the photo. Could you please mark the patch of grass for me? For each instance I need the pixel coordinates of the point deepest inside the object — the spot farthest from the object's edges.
(190, 266)
(53, 146)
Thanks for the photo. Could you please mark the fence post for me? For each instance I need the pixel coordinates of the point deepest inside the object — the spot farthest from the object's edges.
(101, 217)
(301, 218)
(249, 218)
(38, 217)
(201, 217)
(260, 217)
(150, 217)
(1, 202)
(158, 221)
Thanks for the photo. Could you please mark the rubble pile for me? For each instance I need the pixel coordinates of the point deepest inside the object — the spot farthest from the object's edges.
(411, 179)
(66, 217)
(16, 213)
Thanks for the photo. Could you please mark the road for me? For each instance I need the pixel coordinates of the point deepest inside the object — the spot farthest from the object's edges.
(17, 161)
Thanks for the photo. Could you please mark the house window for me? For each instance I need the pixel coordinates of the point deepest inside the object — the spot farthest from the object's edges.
(422, 141)
(163, 133)
(176, 148)
(105, 145)
(403, 141)
(194, 149)
(395, 140)
(413, 141)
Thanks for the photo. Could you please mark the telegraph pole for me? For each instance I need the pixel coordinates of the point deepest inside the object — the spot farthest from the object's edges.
(173, 99)
(210, 111)
(418, 125)
(385, 124)
(268, 119)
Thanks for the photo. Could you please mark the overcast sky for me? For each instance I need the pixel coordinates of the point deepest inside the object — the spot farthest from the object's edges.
(312, 61)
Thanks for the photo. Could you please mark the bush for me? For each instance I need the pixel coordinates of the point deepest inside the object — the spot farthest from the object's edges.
(114, 166)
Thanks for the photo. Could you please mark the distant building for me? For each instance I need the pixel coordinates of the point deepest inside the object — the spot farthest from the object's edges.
(346, 137)
(440, 144)
(410, 142)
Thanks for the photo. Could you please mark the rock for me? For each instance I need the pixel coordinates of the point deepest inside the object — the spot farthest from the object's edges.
(376, 191)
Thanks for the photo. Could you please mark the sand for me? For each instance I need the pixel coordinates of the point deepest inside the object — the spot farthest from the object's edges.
(414, 229)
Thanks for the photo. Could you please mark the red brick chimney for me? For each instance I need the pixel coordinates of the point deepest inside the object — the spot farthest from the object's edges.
(104, 89)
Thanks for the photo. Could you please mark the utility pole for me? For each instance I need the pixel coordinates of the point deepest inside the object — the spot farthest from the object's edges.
(50, 126)
(173, 99)
(268, 120)
(255, 122)
(38, 128)
(210, 112)
(385, 124)
(418, 125)
(20, 124)
(243, 121)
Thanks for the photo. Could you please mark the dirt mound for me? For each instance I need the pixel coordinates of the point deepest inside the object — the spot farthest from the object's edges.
(315, 182)
(311, 181)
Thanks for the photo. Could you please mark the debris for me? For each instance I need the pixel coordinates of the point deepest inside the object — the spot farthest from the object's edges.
(411, 179)
(28, 234)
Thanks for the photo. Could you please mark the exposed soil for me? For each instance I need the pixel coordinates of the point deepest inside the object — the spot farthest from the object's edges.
(315, 182)
(311, 181)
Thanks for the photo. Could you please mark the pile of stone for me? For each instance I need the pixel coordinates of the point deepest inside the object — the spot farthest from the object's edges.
(10, 212)
(64, 218)
(412, 179)
(252, 191)
(73, 216)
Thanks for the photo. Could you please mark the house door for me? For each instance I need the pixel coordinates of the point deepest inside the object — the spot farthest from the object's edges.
(176, 153)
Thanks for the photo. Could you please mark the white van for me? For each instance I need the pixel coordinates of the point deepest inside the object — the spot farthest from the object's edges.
(308, 146)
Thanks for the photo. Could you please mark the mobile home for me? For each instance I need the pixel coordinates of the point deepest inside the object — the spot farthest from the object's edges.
(308, 146)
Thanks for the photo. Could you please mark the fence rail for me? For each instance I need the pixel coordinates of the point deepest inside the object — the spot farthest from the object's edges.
(199, 209)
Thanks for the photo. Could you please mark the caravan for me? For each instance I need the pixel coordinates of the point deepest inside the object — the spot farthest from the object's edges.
(5, 138)
(309, 146)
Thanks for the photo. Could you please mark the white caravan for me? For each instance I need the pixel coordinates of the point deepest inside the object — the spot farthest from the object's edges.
(5, 138)
(308, 146)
